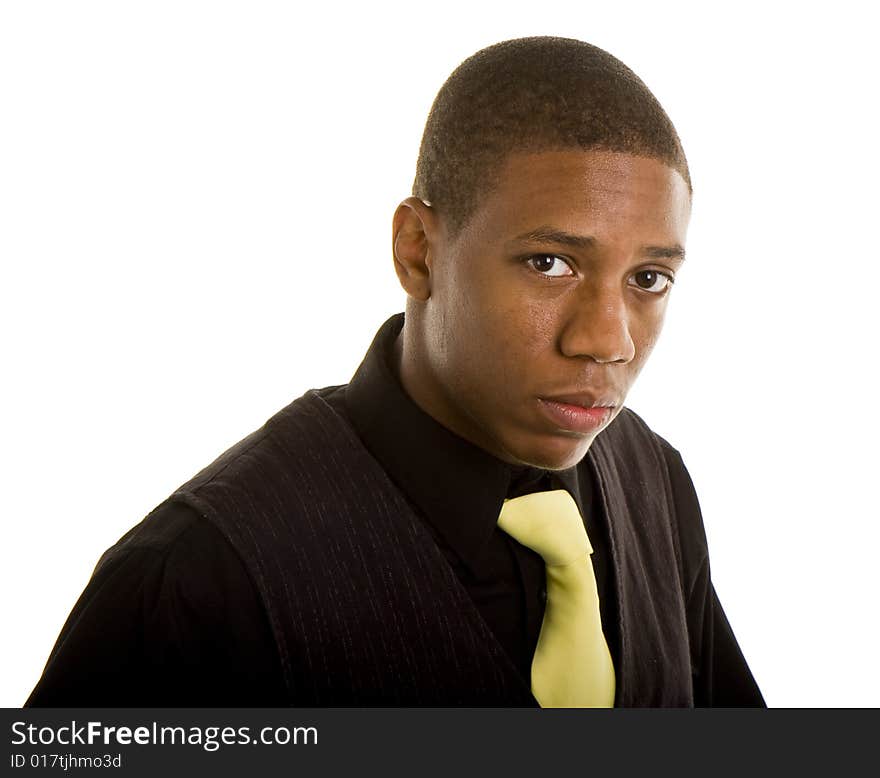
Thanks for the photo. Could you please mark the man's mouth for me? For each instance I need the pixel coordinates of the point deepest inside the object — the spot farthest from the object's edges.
(577, 412)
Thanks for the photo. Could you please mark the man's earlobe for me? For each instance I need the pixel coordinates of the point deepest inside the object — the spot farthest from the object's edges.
(413, 231)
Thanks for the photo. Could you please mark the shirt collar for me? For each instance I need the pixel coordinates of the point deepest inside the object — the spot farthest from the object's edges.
(456, 485)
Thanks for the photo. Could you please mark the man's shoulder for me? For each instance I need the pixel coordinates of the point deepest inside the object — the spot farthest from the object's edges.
(174, 535)
(178, 527)
(305, 464)
(177, 533)
(294, 436)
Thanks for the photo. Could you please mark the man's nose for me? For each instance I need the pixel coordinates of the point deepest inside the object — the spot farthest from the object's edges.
(596, 325)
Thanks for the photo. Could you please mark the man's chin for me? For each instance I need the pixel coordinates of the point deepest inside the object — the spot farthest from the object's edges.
(553, 452)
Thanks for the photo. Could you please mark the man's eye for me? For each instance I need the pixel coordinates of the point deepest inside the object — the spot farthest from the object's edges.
(652, 281)
(550, 265)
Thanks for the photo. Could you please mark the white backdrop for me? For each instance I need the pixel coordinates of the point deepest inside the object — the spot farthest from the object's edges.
(195, 205)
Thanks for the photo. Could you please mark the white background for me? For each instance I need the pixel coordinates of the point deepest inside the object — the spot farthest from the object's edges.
(195, 205)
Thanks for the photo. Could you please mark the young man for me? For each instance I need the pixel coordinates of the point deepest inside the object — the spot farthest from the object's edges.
(398, 540)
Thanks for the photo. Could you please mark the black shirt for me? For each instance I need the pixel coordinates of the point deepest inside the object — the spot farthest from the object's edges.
(182, 623)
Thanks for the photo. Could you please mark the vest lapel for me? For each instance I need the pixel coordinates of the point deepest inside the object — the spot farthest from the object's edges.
(653, 666)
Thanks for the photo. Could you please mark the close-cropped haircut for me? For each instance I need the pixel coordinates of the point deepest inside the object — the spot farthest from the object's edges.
(530, 95)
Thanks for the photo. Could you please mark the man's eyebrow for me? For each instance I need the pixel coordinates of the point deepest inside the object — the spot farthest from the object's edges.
(664, 252)
(548, 234)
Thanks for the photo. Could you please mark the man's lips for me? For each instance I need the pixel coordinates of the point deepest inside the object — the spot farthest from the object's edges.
(577, 412)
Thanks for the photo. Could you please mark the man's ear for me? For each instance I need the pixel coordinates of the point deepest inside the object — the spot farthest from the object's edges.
(415, 231)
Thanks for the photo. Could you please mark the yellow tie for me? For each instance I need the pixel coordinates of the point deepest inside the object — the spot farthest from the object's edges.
(572, 666)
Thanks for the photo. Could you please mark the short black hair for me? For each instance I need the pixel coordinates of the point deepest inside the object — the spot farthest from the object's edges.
(534, 94)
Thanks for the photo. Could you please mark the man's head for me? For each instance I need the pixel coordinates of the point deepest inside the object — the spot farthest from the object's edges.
(551, 205)
(533, 94)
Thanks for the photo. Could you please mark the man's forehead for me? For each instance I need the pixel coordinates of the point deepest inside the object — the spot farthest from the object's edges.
(591, 168)
(566, 191)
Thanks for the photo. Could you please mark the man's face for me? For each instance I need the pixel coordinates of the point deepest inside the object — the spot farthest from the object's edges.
(550, 301)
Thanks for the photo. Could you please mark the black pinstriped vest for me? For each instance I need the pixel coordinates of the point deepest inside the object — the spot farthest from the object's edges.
(365, 608)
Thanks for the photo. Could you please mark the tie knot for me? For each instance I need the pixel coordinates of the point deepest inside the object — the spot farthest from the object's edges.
(548, 523)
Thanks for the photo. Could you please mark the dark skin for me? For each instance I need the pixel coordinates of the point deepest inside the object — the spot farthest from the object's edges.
(551, 297)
